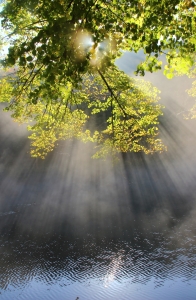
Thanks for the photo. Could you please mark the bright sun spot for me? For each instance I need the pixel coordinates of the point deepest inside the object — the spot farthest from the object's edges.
(85, 44)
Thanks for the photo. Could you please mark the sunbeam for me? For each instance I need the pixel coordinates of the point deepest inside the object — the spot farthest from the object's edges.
(75, 226)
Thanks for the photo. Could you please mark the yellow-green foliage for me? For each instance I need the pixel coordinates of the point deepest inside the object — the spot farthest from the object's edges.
(132, 124)
(61, 81)
(5, 90)
(130, 104)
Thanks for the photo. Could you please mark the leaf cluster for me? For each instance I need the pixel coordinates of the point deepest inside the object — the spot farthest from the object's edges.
(63, 76)
(129, 106)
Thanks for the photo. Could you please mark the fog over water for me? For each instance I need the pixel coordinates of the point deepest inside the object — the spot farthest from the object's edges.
(71, 226)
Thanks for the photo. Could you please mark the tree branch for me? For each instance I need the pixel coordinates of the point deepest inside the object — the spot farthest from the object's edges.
(111, 92)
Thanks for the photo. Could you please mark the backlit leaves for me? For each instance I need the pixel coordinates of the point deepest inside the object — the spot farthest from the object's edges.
(47, 30)
(64, 77)
(125, 108)
(132, 113)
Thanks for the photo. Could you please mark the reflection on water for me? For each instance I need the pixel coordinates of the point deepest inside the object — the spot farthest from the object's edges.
(107, 232)
(74, 227)
(56, 265)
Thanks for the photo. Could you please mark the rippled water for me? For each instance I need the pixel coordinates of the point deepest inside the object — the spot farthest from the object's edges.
(110, 232)
(74, 228)
(146, 263)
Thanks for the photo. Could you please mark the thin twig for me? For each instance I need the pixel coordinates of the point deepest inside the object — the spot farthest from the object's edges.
(111, 92)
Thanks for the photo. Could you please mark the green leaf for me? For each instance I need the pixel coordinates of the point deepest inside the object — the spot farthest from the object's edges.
(29, 58)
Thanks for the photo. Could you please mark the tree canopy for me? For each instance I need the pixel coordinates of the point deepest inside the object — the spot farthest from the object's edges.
(63, 58)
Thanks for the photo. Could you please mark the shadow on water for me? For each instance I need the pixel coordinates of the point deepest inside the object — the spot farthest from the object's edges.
(71, 226)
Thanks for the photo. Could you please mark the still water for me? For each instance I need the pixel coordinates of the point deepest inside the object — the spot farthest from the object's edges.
(76, 228)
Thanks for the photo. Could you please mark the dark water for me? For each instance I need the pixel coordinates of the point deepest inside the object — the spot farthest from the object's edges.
(74, 227)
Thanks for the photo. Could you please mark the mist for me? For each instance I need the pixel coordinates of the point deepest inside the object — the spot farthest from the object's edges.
(71, 206)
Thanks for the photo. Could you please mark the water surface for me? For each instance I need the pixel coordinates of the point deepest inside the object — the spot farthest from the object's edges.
(72, 227)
